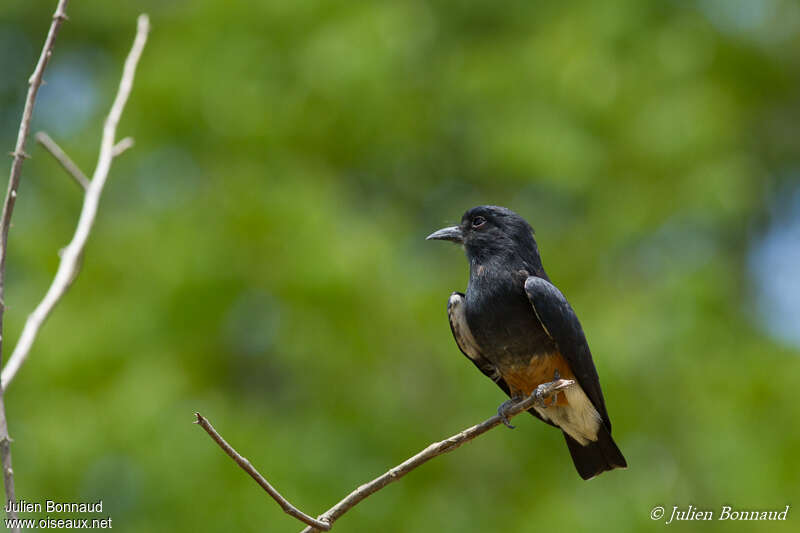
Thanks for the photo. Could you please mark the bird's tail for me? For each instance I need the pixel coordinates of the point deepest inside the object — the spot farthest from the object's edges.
(596, 457)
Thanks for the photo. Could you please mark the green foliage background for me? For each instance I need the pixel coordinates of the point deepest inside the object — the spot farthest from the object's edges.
(259, 256)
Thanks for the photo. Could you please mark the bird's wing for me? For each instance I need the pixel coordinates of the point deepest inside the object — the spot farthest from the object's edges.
(562, 326)
(466, 342)
(469, 347)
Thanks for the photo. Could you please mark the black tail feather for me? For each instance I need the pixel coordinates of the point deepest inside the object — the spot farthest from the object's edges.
(596, 457)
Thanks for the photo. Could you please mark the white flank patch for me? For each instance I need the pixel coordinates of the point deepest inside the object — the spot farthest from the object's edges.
(580, 420)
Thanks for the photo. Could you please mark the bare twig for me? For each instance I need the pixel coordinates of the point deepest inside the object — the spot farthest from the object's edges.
(325, 521)
(250, 469)
(69, 264)
(68, 164)
(34, 82)
(122, 146)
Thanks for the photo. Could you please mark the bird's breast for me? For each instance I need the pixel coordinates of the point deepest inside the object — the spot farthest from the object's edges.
(503, 323)
(522, 379)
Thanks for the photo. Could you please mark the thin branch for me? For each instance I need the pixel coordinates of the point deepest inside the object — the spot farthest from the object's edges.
(70, 258)
(122, 146)
(68, 164)
(250, 469)
(325, 521)
(546, 391)
(34, 82)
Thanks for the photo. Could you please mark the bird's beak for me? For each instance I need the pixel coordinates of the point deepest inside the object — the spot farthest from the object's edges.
(447, 234)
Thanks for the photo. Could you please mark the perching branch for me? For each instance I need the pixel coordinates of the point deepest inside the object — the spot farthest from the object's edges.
(325, 521)
(250, 469)
(68, 164)
(34, 82)
(70, 257)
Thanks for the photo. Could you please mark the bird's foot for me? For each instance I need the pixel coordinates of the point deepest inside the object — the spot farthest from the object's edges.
(502, 410)
(542, 393)
(556, 377)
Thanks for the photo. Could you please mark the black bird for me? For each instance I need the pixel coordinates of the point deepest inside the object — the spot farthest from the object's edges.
(521, 332)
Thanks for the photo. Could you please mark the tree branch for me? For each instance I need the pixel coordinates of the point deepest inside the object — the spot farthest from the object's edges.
(68, 164)
(122, 146)
(34, 82)
(70, 258)
(325, 521)
(250, 469)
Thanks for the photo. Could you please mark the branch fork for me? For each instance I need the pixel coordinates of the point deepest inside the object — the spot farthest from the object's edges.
(69, 265)
(325, 521)
(70, 260)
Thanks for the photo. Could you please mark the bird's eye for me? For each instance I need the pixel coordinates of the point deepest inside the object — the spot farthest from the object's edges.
(477, 222)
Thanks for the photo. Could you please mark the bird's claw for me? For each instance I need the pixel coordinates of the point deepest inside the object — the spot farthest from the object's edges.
(542, 393)
(502, 412)
(540, 396)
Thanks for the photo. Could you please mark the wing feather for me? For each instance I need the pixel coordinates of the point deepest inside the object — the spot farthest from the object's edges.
(562, 326)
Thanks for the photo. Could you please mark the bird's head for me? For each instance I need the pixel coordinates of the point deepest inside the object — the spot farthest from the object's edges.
(489, 231)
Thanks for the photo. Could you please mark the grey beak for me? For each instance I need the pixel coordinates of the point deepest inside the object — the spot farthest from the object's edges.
(447, 234)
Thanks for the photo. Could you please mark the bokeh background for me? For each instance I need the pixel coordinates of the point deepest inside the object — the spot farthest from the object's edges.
(259, 256)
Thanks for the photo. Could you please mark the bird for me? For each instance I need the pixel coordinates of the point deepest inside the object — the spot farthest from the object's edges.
(520, 331)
